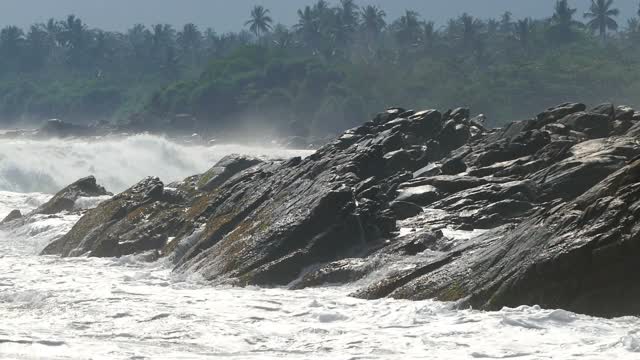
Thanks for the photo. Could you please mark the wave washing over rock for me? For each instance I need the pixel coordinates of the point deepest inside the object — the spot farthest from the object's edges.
(419, 206)
(126, 308)
(557, 196)
(32, 165)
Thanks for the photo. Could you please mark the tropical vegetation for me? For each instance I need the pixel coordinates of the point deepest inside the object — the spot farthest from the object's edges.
(325, 73)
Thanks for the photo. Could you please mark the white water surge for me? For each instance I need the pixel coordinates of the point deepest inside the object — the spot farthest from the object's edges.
(53, 308)
(28, 165)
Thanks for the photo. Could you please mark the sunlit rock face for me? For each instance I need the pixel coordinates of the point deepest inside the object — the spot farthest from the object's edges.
(542, 211)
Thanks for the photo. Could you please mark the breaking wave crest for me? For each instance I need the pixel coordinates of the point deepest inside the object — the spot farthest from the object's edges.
(28, 165)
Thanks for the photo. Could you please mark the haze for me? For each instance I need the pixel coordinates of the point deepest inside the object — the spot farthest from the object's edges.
(226, 16)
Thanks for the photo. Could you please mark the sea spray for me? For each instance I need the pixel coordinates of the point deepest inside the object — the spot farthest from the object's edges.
(28, 165)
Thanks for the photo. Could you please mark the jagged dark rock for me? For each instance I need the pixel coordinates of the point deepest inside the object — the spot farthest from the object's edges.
(13, 215)
(119, 225)
(542, 211)
(575, 255)
(558, 112)
(595, 125)
(225, 169)
(65, 199)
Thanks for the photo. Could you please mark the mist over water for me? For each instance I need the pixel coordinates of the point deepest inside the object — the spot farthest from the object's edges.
(117, 162)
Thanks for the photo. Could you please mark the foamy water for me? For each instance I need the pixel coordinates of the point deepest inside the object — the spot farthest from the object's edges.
(28, 165)
(84, 308)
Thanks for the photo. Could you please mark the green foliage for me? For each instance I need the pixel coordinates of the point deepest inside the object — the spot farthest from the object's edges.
(322, 75)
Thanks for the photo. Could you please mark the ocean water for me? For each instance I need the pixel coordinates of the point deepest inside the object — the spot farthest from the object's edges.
(118, 162)
(85, 308)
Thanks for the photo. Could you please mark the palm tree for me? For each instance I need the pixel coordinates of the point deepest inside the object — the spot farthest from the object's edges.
(522, 32)
(493, 26)
(139, 38)
(633, 29)
(470, 30)
(328, 23)
(562, 20)
(408, 28)
(163, 36)
(429, 35)
(210, 39)
(601, 15)
(54, 30)
(11, 40)
(321, 8)
(373, 20)
(506, 22)
(348, 13)
(73, 31)
(260, 22)
(190, 39)
(282, 38)
(162, 41)
(39, 45)
(452, 29)
(308, 27)
(101, 50)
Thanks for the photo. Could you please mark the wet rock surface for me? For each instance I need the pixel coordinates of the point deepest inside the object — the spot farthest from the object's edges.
(66, 198)
(414, 205)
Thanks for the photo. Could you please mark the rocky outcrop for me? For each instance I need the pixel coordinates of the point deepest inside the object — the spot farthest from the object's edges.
(224, 170)
(66, 198)
(422, 204)
(13, 215)
(575, 255)
(120, 226)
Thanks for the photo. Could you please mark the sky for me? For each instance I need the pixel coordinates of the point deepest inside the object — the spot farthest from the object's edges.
(230, 15)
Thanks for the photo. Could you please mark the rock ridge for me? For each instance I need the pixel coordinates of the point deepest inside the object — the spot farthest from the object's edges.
(412, 205)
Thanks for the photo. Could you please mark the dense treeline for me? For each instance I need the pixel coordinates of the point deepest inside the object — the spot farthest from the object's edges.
(325, 73)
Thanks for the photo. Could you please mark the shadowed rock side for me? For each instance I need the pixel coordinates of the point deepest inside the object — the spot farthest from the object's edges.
(416, 205)
(66, 198)
(13, 215)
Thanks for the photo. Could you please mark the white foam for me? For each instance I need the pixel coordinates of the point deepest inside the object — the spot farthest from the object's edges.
(86, 203)
(79, 308)
(24, 202)
(117, 162)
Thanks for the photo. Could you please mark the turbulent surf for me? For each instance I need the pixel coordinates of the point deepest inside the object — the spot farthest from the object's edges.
(129, 308)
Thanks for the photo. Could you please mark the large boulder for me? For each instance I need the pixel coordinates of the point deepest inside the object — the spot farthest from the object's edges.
(137, 220)
(594, 124)
(558, 112)
(66, 198)
(13, 215)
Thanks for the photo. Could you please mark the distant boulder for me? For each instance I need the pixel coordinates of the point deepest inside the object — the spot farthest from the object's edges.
(60, 128)
(593, 124)
(558, 112)
(66, 198)
(13, 215)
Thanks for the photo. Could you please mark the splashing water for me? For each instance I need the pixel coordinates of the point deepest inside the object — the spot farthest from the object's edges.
(117, 162)
(79, 308)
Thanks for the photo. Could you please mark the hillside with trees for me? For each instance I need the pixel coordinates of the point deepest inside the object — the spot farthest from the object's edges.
(329, 71)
